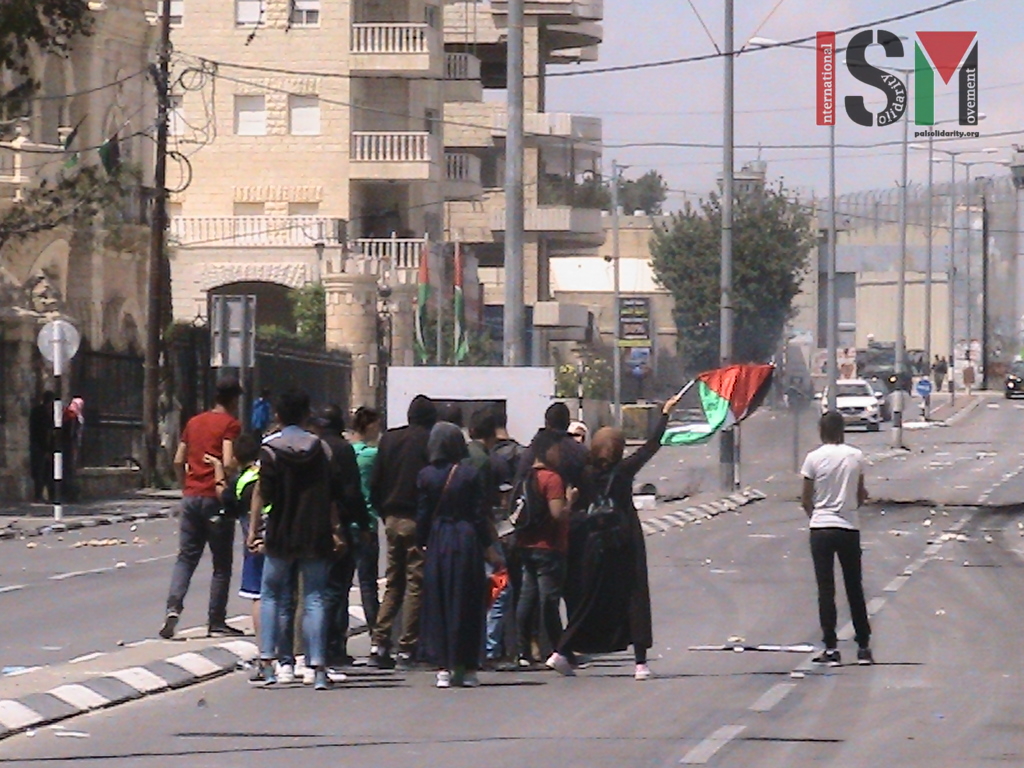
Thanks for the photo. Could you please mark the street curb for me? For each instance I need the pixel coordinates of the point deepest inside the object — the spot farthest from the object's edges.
(15, 531)
(960, 415)
(70, 700)
(679, 518)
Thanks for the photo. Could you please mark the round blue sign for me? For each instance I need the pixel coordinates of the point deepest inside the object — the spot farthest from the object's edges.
(924, 388)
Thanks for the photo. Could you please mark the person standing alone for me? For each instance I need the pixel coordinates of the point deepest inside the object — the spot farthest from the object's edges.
(833, 491)
(206, 439)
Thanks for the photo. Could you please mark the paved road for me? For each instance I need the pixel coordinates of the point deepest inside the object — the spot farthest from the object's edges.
(948, 614)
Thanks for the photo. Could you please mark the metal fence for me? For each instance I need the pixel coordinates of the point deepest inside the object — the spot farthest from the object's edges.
(111, 385)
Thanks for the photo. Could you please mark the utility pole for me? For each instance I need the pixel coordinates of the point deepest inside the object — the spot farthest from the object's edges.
(928, 279)
(157, 256)
(727, 441)
(616, 310)
(901, 290)
(951, 366)
(830, 287)
(984, 286)
(514, 319)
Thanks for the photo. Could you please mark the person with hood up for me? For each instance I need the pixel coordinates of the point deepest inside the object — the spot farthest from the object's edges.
(453, 529)
(393, 493)
(613, 606)
(302, 533)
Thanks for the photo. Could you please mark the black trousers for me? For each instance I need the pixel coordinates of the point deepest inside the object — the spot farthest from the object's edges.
(202, 525)
(826, 545)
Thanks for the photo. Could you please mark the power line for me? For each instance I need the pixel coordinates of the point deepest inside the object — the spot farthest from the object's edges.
(86, 92)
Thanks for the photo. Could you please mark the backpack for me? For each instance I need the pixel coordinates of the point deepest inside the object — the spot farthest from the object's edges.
(260, 418)
(527, 512)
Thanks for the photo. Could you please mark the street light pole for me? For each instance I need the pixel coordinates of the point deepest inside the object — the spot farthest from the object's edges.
(901, 287)
(928, 276)
(727, 444)
(616, 310)
(515, 312)
(831, 310)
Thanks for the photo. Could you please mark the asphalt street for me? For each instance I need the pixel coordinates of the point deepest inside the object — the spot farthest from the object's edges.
(942, 575)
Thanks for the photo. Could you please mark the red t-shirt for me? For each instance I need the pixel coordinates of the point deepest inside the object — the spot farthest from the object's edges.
(553, 534)
(206, 433)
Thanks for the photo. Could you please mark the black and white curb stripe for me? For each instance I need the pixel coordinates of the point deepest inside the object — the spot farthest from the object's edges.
(64, 701)
(701, 512)
(15, 531)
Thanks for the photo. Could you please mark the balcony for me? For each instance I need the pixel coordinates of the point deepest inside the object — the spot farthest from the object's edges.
(577, 223)
(24, 164)
(249, 231)
(392, 49)
(462, 78)
(394, 156)
(558, 10)
(390, 252)
(462, 176)
(476, 124)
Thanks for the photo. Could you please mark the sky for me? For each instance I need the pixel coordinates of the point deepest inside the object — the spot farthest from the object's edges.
(774, 90)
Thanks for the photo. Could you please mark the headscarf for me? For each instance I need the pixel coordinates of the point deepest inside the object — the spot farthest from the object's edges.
(446, 444)
(579, 428)
(606, 448)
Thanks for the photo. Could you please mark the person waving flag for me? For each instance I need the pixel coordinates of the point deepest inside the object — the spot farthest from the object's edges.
(727, 396)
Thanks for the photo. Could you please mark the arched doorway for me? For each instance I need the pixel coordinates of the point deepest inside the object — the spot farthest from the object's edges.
(273, 303)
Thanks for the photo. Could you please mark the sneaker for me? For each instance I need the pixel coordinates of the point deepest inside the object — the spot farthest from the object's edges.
(256, 674)
(321, 682)
(269, 676)
(444, 679)
(643, 672)
(470, 680)
(336, 675)
(309, 676)
(828, 656)
(403, 661)
(524, 662)
(381, 660)
(170, 624)
(864, 657)
(560, 664)
(223, 630)
(286, 673)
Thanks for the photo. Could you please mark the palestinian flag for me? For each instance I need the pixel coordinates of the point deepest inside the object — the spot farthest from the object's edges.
(422, 297)
(461, 346)
(727, 396)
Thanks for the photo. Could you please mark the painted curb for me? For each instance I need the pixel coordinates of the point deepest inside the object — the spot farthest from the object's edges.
(679, 518)
(15, 531)
(73, 699)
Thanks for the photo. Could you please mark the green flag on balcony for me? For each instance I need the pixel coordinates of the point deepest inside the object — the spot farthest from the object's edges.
(422, 297)
(461, 346)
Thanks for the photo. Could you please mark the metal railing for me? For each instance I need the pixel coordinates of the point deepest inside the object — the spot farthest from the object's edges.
(390, 38)
(396, 252)
(462, 167)
(391, 147)
(243, 231)
(461, 66)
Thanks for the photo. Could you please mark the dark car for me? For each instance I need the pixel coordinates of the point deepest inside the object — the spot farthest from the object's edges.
(1015, 380)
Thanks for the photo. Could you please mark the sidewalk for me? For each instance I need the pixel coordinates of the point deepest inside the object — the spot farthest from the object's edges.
(22, 519)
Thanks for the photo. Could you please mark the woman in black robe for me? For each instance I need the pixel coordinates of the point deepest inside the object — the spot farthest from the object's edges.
(612, 599)
(453, 528)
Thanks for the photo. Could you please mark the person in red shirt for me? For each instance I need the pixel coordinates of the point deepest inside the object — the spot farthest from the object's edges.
(206, 443)
(543, 549)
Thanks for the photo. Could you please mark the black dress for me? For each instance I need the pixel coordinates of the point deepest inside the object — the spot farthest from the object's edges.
(454, 534)
(611, 598)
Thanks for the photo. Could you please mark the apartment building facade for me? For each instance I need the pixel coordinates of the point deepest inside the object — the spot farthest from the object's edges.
(340, 141)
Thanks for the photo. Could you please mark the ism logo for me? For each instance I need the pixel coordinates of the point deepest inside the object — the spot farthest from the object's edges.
(943, 53)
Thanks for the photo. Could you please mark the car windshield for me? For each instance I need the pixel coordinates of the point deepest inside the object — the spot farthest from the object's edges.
(854, 390)
(1017, 369)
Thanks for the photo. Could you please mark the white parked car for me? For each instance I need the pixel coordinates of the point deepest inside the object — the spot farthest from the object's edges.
(858, 403)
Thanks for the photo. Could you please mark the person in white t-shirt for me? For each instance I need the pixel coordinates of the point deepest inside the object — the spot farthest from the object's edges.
(832, 493)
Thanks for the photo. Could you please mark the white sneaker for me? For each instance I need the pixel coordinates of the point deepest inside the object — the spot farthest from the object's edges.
(336, 676)
(560, 664)
(643, 672)
(470, 680)
(444, 679)
(308, 676)
(286, 673)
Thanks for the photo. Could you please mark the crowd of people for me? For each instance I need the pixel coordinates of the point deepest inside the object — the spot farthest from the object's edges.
(487, 540)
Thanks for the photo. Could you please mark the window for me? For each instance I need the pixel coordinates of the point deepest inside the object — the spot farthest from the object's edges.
(250, 116)
(430, 16)
(432, 119)
(248, 209)
(304, 115)
(249, 12)
(177, 11)
(305, 13)
(303, 209)
(176, 118)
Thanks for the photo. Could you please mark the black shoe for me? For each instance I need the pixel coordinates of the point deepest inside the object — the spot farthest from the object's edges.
(170, 624)
(381, 661)
(403, 662)
(864, 657)
(829, 656)
(224, 630)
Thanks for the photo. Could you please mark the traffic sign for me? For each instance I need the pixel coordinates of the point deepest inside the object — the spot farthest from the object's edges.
(58, 334)
(924, 388)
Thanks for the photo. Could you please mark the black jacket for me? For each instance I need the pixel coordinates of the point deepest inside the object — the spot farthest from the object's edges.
(297, 477)
(349, 490)
(400, 457)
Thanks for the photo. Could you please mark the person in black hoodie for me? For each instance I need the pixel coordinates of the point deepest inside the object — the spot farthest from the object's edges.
(330, 425)
(402, 454)
(298, 481)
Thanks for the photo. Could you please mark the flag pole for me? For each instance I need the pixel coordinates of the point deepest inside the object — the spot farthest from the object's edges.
(687, 388)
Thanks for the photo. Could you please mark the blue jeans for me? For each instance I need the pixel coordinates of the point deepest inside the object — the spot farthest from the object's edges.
(276, 602)
(494, 638)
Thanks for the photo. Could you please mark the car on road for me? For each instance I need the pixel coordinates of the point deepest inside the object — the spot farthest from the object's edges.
(857, 402)
(1015, 380)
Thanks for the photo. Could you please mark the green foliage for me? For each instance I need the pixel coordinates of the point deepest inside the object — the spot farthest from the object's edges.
(309, 305)
(646, 194)
(482, 350)
(73, 198)
(771, 241)
(46, 25)
(597, 377)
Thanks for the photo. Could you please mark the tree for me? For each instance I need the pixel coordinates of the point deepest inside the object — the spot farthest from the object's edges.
(50, 26)
(309, 308)
(771, 241)
(646, 194)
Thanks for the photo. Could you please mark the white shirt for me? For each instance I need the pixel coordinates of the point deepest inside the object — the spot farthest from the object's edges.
(836, 472)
